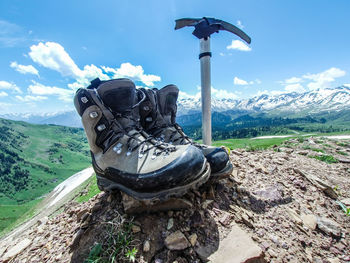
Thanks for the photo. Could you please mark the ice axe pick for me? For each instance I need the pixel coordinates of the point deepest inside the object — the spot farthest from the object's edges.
(203, 28)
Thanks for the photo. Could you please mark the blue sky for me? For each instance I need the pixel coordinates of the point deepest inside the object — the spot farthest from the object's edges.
(50, 48)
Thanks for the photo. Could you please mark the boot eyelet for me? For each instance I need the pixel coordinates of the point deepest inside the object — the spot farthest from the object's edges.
(146, 108)
(140, 155)
(128, 153)
(101, 127)
(93, 114)
(84, 99)
(153, 156)
(118, 148)
(149, 119)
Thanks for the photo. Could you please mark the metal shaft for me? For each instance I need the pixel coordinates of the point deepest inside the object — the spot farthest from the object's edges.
(206, 90)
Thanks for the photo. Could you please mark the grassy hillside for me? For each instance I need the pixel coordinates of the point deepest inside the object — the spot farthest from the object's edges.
(34, 159)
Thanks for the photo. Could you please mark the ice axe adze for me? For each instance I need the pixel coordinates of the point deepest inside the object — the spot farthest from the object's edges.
(204, 27)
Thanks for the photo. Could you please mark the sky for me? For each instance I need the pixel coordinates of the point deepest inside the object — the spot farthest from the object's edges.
(49, 49)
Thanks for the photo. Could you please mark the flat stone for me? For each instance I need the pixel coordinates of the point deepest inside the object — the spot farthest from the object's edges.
(328, 226)
(237, 247)
(133, 206)
(271, 194)
(135, 229)
(296, 218)
(18, 248)
(310, 221)
(146, 246)
(170, 223)
(176, 241)
(193, 239)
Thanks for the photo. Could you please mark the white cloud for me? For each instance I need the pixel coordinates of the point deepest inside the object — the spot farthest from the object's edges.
(347, 85)
(215, 93)
(89, 73)
(29, 98)
(29, 69)
(312, 81)
(10, 34)
(53, 56)
(136, 73)
(239, 45)
(3, 94)
(296, 87)
(40, 89)
(239, 24)
(9, 86)
(258, 81)
(238, 81)
(323, 79)
(293, 80)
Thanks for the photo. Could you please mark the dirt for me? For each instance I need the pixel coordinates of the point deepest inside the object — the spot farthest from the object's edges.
(269, 195)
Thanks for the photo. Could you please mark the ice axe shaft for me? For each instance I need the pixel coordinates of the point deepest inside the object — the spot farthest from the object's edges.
(204, 57)
(204, 27)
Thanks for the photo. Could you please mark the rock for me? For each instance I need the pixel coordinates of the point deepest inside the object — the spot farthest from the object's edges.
(225, 219)
(302, 152)
(193, 239)
(246, 220)
(237, 247)
(176, 241)
(328, 226)
(333, 260)
(135, 229)
(271, 194)
(206, 203)
(310, 221)
(296, 218)
(346, 201)
(96, 208)
(170, 224)
(146, 246)
(18, 248)
(343, 160)
(328, 190)
(133, 206)
(81, 214)
(43, 220)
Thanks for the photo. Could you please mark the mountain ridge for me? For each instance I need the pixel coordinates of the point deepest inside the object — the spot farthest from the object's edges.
(310, 102)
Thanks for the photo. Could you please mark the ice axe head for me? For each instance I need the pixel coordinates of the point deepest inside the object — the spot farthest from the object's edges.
(204, 27)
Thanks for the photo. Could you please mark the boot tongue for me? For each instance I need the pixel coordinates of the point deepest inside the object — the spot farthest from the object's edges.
(167, 98)
(120, 95)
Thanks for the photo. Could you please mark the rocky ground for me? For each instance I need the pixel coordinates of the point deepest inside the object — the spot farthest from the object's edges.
(284, 198)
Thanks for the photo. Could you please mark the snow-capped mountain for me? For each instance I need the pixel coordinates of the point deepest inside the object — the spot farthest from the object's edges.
(317, 101)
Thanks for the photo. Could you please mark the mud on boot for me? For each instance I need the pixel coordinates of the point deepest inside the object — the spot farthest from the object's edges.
(124, 156)
(158, 117)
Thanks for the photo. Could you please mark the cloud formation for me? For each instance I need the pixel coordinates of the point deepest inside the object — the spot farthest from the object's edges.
(3, 94)
(216, 94)
(320, 80)
(29, 98)
(23, 69)
(40, 89)
(239, 45)
(9, 86)
(53, 56)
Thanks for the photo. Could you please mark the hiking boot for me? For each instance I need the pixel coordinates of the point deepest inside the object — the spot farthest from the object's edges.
(158, 117)
(124, 156)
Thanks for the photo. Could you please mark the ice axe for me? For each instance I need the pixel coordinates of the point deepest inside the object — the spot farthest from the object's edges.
(203, 28)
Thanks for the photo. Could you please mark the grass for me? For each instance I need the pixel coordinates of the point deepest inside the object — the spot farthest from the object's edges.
(251, 144)
(92, 190)
(117, 243)
(49, 153)
(325, 158)
(342, 153)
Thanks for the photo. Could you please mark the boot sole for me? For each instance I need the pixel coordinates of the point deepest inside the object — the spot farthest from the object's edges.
(107, 185)
(223, 173)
